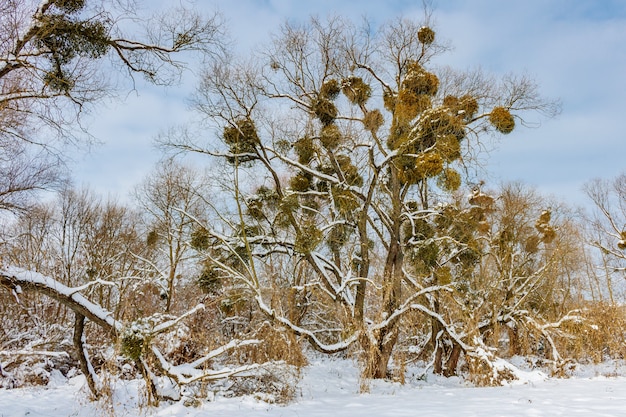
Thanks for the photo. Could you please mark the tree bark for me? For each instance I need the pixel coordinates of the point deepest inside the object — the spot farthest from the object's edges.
(514, 342)
(453, 361)
(83, 360)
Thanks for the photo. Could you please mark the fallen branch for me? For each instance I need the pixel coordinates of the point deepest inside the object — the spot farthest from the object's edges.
(187, 373)
(18, 280)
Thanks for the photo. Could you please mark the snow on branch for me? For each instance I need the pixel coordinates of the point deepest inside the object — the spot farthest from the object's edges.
(190, 372)
(571, 316)
(18, 279)
(27, 352)
(163, 327)
(447, 327)
(309, 335)
(408, 305)
(92, 283)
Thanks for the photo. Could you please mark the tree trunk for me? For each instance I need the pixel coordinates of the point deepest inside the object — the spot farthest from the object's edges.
(170, 289)
(362, 269)
(148, 377)
(453, 361)
(438, 360)
(83, 360)
(438, 347)
(82, 308)
(514, 341)
(377, 355)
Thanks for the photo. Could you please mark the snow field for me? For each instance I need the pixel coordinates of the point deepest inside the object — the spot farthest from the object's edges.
(331, 387)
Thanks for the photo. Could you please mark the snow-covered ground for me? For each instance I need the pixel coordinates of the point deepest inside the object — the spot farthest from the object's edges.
(331, 388)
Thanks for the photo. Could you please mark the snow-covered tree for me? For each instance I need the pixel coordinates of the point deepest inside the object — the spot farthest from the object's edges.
(83, 243)
(514, 264)
(346, 144)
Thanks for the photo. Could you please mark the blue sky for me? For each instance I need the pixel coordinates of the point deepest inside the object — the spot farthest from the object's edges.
(575, 50)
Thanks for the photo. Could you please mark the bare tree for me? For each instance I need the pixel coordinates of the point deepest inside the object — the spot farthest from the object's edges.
(171, 199)
(26, 174)
(58, 58)
(607, 234)
(99, 255)
(342, 143)
(111, 267)
(53, 67)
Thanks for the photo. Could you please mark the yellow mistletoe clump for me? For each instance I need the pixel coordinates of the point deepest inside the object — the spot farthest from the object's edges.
(242, 140)
(373, 120)
(243, 136)
(464, 107)
(621, 244)
(426, 35)
(548, 233)
(449, 180)
(330, 89)
(330, 136)
(356, 90)
(437, 123)
(502, 119)
(428, 164)
(389, 100)
(349, 170)
(325, 110)
(449, 147)
(300, 182)
(345, 201)
(305, 149)
(420, 81)
(410, 104)
(468, 105)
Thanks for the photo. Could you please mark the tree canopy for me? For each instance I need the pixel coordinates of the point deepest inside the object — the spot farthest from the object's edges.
(348, 151)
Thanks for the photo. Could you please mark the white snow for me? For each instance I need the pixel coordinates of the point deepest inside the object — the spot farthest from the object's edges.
(37, 278)
(331, 387)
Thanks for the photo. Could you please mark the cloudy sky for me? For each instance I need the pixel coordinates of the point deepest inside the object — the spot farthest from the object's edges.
(575, 50)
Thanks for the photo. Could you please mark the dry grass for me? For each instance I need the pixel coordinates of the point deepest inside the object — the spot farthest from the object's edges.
(600, 336)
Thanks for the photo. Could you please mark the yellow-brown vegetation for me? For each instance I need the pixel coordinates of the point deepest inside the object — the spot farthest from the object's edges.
(502, 119)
